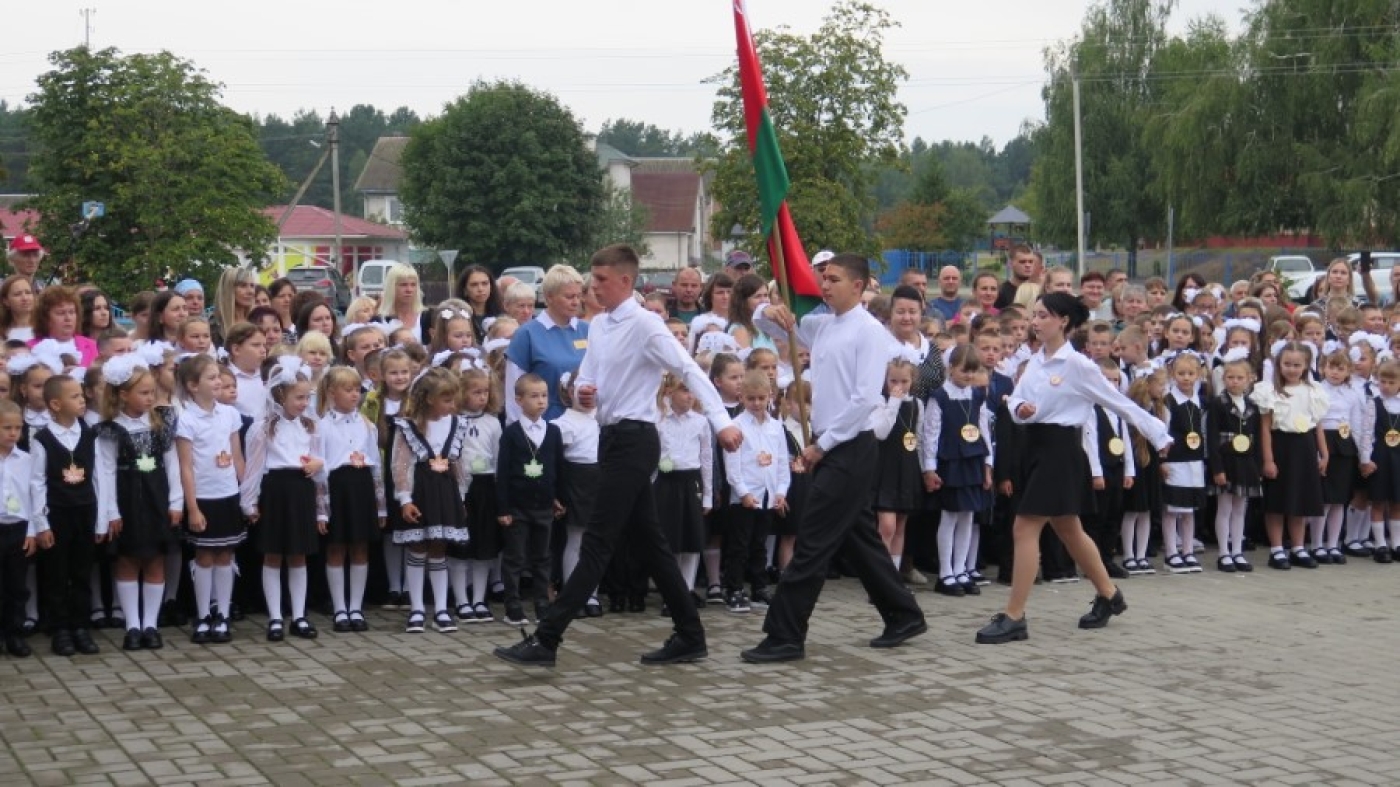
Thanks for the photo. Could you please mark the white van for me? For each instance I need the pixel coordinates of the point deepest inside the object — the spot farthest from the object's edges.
(369, 279)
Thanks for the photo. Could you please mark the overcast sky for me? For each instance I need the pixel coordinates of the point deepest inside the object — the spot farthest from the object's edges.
(975, 68)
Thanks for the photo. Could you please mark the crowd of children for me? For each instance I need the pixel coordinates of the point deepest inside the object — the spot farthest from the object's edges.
(289, 477)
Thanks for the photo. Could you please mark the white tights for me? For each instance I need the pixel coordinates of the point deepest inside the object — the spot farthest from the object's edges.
(1229, 523)
(954, 542)
(1135, 528)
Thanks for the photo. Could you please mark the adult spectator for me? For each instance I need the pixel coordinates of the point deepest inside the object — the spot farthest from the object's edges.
(737, 263)
(1389, 300)
(402, 301)
(97, 313)
(715, 300)
(25, 255)
(168, 311)
(906, 313)
(1059, 279)
(1186, 288)
(916, 278)
(139, 308)
(749, 293)
(520, 302)
(17, 308)
(480, 291)
(552, 343)
(985, 290)
(283, 292)
(1114, 278)
(1339, 282)
(193, 293)
(56, 317)
(317, 315)
(948, 302)
(1024, 264)
(1270, 294)
(234, 298)
(685, 294)
(1092, 289)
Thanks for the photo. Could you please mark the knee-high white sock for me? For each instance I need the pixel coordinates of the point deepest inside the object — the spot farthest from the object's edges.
(1314, 530)
(1354, 523)
(203, 590)
(1334, 516)
(947, 528)
(1186, 526)
(1144, 530)
(31, 583)
(1241, 507)
(1224, 509)
(974, 544)
(335, 578)
(223, 588)
(129, 599)
(712, 566)
(1171, 539)
(962, 541)
(481, 580)
(296, 590)
(457, 571)
(394, 563)
(272, 591)
(152, 594)
(1394, 526)
(415, 564)
(174, 566)
(359, 574)
(572, 546)
(1378, 533)
(437, 575)
(689, 564)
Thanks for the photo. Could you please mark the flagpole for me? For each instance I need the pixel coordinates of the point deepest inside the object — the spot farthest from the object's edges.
(794, 357)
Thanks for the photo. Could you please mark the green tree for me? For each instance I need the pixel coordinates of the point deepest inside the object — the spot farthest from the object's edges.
(181, 175)
(504, 175)
(636, 138)
(832, 100)
(296, 145)
(620, 219)
(14, 149)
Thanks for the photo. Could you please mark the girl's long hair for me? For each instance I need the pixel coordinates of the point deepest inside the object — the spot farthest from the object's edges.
(1140, 391)
(335, 377)
(434, 382)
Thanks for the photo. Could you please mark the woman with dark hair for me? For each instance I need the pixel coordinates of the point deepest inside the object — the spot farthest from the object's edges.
(317, 315)
(714, 299)
(477, 287)
(282, 292)
(906, 315)
(750, 291)
(1192, 281)
(1054, 399)
(97, 313)
(17, 308)
(167, 312)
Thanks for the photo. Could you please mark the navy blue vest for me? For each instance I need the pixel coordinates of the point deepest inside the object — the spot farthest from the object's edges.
(1186, 417)
(955, 415)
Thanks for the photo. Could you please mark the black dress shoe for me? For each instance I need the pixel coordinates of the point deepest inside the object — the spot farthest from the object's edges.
(150, 640)
(132, 640)
(235, 612)
(1102, 609)
(1381, 555)
(593, 609)
(677, 651)
(1115, 571)
(896, 635)
(82, 640)
(201, 634)
(1003, 629)
(948, 586)
(1302, 559)
(772, 651)
(17, 647)
(275, 630)
(303, 628)
(529, 652)
(63, 644)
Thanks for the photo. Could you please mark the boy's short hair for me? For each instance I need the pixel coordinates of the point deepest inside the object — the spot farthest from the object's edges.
(1133, 334)
(1156, 283)
(1098, 326)
(756, 381)
(528, 380)
(9, 407)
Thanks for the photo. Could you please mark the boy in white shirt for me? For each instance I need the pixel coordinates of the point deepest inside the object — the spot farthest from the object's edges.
(19, 538)
(759, 476)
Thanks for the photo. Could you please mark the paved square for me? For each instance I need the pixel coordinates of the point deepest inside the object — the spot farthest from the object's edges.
(1269, 678)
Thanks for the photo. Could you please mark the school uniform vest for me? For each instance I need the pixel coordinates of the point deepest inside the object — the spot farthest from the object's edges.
(1112, 464)
(1384, 423)
(84, 455)
(514, 488)
(1186, 417)
(956, 414)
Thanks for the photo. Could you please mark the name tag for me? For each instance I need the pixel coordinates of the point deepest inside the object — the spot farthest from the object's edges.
(580, 344)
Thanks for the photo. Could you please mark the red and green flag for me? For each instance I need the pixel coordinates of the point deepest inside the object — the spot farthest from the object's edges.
(794, 274)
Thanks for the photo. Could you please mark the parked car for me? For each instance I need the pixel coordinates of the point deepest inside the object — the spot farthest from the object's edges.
(369, 279)
(1300, 287)
(657, 281)
(325, 280)
(532, 275)
(1290, 265)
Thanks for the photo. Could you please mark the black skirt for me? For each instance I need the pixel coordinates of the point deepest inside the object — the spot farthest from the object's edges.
(287, 513)
(485, 540)
(1057, 473)
(442, 512)
(1297, 491)
(354, 514)
(899, 486)
(1383, 486)
(224, 525)
(962, 488)
(1242, 473)
(679, 510)
(1146, 494)
(1340, 481)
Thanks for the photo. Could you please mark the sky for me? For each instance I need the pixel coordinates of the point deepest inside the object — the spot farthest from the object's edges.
(975, 68)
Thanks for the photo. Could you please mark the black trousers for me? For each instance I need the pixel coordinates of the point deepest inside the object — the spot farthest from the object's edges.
(13, 567)
(527, 546)
(65, 569)
(744, 553)
(627, 456)
(839, 517)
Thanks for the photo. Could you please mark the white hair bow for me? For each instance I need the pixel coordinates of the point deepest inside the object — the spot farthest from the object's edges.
(352, 327)
(1330, 346)
(153, 352)
(1355, 353)
(906, 352)
(449, 313)
(50, 353)
(487, 322)
(1189, 294)
(1235, 354)
(1378, 343)
(288, 370)
(1310, 346)
(20, 364)
(492, 345)
(716, 342)
(1198, 321)
(1277, 347)
(1248, 323)
(117, 370)
(565, 379)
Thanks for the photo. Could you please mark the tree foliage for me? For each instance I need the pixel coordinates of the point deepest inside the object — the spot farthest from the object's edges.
(636, 138)
(832, 100)
(181, 175)
(504, 175)
(14, 148)
(288, 144)
(620, 219)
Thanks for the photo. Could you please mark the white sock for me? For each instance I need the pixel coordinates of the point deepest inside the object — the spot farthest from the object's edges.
(203, 590)
(174, 566)
(1333, 524)
(689, 563)
(31, 583)
(712, 566)
(1186, 524)
(414, 566)
(359, 573)
(129, 599)
(898, 561)
(974, 545)
(437, 575)
(962, 541)
(223, 589)
(296, 590)
(1378, 534)
(1358, 523)
(1171, 538)
(1126, 529)
(1237, 526)
(481, 580)
(335, 578)
(393, 563)
(152, 594)
(1224, 509)
(457, 571)
(572, 545)
(272, 591)
(1315, 530)
(1144, 529)
(1394, 533)
(947, 528)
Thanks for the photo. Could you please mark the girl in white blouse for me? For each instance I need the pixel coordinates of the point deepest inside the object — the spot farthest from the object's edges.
(280, 492)
(579, 479)
(1294, 451)
(478, 558)
(685, 476)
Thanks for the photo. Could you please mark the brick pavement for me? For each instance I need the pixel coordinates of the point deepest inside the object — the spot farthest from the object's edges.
(1271, 678)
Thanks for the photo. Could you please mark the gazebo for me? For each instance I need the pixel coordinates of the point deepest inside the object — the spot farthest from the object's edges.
(1008, 227)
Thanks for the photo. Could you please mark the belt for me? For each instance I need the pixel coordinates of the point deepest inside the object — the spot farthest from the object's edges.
(628, 425)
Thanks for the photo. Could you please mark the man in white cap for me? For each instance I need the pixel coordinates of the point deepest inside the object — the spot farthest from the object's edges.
(25, 255)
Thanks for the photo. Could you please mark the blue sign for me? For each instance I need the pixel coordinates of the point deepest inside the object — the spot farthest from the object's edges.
(94, 210)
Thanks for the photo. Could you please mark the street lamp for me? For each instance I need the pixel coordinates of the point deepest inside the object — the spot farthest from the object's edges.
(448, 257)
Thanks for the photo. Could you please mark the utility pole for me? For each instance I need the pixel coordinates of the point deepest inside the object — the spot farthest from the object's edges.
(87, 14)
(333, 137)
(1079, 174)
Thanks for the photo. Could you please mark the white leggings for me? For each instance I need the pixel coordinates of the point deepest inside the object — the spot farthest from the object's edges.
(1229, 523)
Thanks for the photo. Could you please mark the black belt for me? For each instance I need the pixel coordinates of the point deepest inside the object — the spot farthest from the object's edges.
(628, 425)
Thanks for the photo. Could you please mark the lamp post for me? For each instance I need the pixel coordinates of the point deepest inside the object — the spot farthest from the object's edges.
(333, 137)
(448, 257)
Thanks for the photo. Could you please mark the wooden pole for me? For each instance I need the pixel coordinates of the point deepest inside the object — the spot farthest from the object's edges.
(794, 359)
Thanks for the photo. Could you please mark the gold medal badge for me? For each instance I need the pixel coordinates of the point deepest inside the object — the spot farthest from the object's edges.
(1240, 443)
(666, 464)
(1300, 423)
(970, 433)
(1392, 438)
(1116, 446)
(1193, 440)
(1344, 430)
(1055, 379)
(478, 464)
(72, 474)
(438, 464)
(910, 441)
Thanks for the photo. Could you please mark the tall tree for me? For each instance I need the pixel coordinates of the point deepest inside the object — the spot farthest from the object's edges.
(832, 100)
(181, 175)
(504, 175)
(636, 138)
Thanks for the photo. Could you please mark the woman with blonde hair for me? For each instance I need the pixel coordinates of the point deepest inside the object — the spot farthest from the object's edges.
(402, 302)
(233, 299)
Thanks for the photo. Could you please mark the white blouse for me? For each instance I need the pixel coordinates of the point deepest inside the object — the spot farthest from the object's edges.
(579, 432)
(1298, 412)
(932, 426)
(350, 439)
(687, 443)
(760, 466)
(211, 435)
(482, 443)
(1064, 388)
(285, 448)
